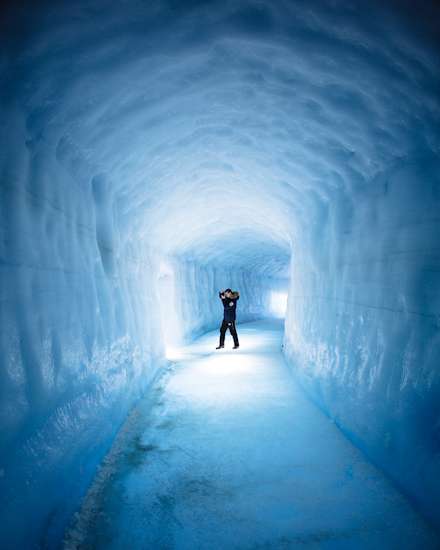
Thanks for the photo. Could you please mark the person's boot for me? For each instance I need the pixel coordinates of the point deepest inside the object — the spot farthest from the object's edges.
(219, 347)
(237, 346)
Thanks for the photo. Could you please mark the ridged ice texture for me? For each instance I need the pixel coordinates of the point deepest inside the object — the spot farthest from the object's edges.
(228, 136)
(82, 335)
(368, 351)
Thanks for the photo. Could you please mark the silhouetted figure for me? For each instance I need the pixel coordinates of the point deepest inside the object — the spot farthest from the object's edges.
(229, 300)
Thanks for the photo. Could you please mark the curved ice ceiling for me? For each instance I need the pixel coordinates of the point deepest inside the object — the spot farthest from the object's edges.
(233, 134)
(226, 116)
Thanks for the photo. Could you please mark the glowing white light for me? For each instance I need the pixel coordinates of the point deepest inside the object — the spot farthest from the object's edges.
(173, 353)
(167, 306)
(228, 378)
(278, 303)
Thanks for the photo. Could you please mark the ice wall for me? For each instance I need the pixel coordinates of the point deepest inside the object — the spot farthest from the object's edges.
(81, 337)
(81, 334)
(222, 137)
(77, 348)
(362, 327)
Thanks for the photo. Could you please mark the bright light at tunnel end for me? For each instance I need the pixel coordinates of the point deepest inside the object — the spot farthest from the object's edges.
(278, 303)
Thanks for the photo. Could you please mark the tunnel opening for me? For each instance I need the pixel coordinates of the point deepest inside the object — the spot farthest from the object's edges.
(203, 259)
(155, 153)
(278, 303)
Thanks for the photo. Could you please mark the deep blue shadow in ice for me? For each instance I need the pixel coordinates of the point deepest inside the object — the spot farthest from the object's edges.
(154, 153)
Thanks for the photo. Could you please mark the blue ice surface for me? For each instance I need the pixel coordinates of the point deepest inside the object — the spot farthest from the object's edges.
(367, 351)
(222, 139)
(227, 452)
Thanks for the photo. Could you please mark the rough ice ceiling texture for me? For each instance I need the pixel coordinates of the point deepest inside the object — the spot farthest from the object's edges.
(224, 134)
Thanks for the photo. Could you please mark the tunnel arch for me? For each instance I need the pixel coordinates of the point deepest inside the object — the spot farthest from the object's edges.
(125, 123)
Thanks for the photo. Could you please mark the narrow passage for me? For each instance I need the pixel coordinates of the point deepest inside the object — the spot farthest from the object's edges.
(227, 453)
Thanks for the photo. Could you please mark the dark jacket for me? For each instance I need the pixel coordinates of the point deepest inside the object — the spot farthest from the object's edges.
(230, 305)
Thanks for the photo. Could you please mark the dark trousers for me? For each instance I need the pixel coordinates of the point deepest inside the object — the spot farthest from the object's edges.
(231, 326)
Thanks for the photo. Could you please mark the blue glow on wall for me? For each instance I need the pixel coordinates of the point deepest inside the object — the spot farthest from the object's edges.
(243, 144)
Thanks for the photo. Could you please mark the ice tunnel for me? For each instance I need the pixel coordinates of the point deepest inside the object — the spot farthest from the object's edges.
(156, 152)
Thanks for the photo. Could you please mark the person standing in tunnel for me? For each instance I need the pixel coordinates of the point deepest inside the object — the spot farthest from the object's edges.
(229, 300)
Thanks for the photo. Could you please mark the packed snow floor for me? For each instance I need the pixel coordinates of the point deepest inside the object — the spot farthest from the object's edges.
(227, 453)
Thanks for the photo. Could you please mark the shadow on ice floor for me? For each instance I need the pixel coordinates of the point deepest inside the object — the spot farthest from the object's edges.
(227, 453)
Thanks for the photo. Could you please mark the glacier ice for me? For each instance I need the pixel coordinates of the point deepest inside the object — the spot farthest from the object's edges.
(154, 153)
(227, 452)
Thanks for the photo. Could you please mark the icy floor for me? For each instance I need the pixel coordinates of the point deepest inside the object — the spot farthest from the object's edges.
(227, 453)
